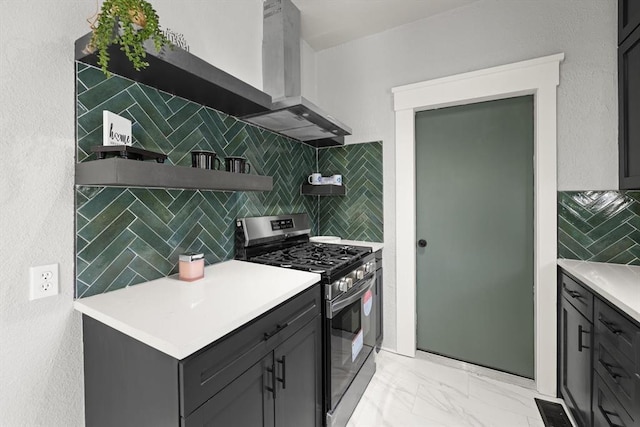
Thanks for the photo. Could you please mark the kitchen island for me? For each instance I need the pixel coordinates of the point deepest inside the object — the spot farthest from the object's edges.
(179, 318)
(242, 346)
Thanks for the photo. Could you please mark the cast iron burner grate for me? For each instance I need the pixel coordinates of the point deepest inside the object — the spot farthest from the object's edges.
(314, 257)
(553, 414)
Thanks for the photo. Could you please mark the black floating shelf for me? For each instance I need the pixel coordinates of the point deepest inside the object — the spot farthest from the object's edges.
(119, 172)
(323, 190)
(127, 152)
(180, 73)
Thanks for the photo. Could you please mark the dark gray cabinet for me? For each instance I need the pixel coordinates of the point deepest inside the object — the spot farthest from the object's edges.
(599, 358)
(282, 389)
(607, 411)
(266, 373)
(127, 383)
(298, 381)
(575, 367)
(629, 94)
(616, 358)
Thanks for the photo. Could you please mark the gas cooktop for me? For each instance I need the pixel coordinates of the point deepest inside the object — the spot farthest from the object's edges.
(314, 257)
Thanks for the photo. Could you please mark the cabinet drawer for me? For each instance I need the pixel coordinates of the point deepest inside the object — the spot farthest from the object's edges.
(207, 372)
(607, 410)
(615, 328)
(618, 373)
(578, 296)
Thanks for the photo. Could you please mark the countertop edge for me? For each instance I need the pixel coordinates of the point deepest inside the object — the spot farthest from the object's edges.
(570, 266)
(184, 350)
(145, 338)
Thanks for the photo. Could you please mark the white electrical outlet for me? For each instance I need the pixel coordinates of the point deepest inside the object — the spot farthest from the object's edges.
(43, 281)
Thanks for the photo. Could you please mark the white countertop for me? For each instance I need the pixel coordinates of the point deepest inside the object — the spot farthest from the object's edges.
(373, 245)
(617, 283)
(179, 318)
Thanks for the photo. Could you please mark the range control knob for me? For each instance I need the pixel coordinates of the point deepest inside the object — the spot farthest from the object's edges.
(343, 286)
(349, 282)
(360, 273)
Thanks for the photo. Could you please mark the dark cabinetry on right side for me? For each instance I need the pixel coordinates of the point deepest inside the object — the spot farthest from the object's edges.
(576, 332)
(629, 93)
(616, 360)
(599, 356)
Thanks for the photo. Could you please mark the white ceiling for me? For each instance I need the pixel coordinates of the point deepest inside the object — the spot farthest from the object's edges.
(328, 23)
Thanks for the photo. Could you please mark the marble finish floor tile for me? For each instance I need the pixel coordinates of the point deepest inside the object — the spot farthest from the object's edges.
(416, 392)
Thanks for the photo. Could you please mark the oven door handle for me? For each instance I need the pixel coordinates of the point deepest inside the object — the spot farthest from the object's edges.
(340, 304)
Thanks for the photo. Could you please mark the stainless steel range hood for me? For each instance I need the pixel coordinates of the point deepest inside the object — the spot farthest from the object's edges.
(298, 118)
(291, 114)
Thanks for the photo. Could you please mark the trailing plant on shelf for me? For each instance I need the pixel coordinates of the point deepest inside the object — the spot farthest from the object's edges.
(128, 23)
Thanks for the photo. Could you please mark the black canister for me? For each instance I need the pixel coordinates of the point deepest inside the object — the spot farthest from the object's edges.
(237, 164)
(205, 159)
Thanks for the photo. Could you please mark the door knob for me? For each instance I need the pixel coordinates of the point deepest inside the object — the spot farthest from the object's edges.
(422, 243)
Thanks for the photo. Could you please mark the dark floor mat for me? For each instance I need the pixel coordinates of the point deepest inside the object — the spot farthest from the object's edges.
(553, 414)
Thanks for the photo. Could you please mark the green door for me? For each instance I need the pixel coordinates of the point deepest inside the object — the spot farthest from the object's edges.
(474, 209)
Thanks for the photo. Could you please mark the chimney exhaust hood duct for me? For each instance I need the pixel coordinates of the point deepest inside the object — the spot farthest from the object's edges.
(291, 114)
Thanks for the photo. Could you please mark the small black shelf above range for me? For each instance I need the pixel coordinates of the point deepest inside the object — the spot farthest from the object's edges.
(183, 74)
(119, 172)
(323, 190)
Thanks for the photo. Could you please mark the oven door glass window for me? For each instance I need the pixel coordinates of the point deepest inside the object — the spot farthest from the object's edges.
(352, 335)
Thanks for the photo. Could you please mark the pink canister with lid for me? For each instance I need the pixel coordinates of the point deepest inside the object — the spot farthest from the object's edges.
(191, 266)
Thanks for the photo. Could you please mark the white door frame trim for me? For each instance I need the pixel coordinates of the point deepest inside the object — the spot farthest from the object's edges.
(539, 77)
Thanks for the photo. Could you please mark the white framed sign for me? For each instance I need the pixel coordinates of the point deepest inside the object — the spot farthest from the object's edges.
(116, 130)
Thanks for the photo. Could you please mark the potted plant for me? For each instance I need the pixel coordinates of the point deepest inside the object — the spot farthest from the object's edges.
(128, 23)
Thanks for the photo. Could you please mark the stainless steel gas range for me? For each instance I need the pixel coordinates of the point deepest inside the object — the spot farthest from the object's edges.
(348, 275)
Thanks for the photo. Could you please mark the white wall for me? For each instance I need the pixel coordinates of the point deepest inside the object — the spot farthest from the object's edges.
(355, 81)
(40, 341)
(229, 36)
(225, 33)
(308, 71)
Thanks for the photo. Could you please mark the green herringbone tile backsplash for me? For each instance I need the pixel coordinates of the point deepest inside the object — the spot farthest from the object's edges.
(601, 226)
(126, 236)
(358, 215)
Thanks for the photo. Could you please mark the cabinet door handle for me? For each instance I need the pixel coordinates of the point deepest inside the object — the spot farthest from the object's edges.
(283, 380)
(607, 367)
(606, 415)
(574, 294)
(278, 328)
(272, 389)
(609, 325)
(580, 332)
(281, 326)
